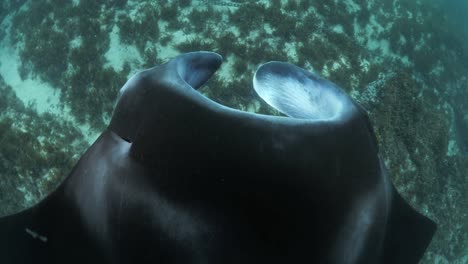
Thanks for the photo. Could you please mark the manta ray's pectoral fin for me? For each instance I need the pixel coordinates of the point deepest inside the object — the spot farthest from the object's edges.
(50, 232)
(401, 234)
(20, 239)
(408, 233)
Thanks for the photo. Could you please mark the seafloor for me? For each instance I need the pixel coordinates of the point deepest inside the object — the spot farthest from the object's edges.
(62, 63)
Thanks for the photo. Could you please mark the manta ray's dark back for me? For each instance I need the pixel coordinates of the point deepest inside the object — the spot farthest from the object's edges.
(178, 178)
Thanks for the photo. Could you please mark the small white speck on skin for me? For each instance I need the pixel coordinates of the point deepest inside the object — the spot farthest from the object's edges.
(35, 235)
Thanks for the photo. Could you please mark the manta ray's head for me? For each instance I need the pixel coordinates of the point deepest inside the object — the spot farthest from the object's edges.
(136, 98)
(157, 96)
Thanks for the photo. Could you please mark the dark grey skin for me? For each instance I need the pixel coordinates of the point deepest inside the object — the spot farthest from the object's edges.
(178, 178)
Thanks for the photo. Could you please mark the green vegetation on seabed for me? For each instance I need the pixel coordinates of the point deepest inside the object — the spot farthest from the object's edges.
(38, 151)
(398, 58)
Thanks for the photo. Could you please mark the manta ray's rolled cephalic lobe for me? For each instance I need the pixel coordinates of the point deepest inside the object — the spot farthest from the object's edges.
(179, 178)
(136, 98)
(299, 93)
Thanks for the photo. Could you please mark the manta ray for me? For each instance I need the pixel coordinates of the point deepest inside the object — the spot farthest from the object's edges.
(179, 178)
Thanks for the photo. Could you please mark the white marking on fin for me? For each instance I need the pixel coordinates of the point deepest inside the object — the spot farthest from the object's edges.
(35, 235)
(297, 95)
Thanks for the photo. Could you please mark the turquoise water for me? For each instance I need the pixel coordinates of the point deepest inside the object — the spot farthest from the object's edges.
(62, 64)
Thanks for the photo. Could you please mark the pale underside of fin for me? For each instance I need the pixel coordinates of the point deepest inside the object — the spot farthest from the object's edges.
(298, 93)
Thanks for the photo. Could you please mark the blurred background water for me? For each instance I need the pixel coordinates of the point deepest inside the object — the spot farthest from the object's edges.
(63, 62)
(456, 9)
